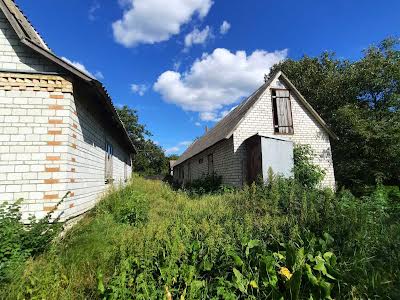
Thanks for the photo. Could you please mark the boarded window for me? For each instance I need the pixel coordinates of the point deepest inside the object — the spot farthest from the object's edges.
(282, 112)
(109, 163)
(210, 164)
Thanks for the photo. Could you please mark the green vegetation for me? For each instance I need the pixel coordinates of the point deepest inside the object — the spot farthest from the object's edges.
(150, 158)
(305, 172)
(360, 101)
(19, 242)
(146, 241)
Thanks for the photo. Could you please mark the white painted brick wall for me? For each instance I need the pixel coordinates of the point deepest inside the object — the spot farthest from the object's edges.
(306, 131)
(17, 56)
(230, 155)
(38, 158)
(88, 159)
(223, 160)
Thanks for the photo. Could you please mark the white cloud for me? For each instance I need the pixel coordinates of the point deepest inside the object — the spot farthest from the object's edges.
(197, 37)
(152, 21)
(225, 26)
(215, 116)
(178, 148)
(217, 80)
(92, 10)
(139, 89)
(78, 65)
(99, 75)
(185, 143)
(172, 150)
(208, 116)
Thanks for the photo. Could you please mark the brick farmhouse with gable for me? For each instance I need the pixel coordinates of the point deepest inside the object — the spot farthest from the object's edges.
(257, 135)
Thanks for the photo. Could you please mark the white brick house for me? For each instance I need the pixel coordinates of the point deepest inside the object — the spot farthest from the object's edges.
(276, 111)
(59, 131)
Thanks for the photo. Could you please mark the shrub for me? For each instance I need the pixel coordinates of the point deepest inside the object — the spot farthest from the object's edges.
(305, 171)
(19, 242)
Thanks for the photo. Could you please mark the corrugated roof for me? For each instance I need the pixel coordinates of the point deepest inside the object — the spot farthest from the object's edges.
(31, 38)
(225, 128)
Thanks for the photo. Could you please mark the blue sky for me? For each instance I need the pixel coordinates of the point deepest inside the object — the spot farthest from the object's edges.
(183, 64)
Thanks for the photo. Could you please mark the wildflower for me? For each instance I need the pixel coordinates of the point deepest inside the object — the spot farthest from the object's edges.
(285, 273)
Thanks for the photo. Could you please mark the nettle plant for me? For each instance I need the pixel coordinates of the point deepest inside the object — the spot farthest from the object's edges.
(18, 241)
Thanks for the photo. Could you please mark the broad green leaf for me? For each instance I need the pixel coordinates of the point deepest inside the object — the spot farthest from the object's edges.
(236, 258)
(311, 277)
(241, 282)
(250, 245)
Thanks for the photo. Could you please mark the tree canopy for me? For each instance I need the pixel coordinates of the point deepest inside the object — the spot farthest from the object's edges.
(150, 158)
(360, 101)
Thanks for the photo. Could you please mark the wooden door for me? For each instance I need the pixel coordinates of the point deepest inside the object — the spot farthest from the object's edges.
(254, 160)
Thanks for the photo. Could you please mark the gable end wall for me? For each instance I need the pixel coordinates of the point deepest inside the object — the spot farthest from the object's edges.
(306, 131)
(15, 56)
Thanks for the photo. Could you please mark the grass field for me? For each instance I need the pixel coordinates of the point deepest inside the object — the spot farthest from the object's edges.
(281, 241)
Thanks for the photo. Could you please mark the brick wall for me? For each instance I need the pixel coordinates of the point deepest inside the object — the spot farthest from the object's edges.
(223, 160)
(306, 131)
(34, 133)
(230, 155)
(15, 56)
(50, 144)
(87, 162)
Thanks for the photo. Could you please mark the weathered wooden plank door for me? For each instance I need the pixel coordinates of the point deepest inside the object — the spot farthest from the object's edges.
(254, 159)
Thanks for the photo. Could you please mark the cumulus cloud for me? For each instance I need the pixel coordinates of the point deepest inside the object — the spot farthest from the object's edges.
(225, 26)
(152, 21)
(139, 89)
(172, 150)
(180, 147)
(81, 66)
(217, 80)
(197, 37)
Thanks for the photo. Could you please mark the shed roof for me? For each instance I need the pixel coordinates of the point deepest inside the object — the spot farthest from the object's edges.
(31, 38)
(225, 128)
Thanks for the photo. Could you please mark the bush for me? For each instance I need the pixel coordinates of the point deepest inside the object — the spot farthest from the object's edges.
(305, 171)
(19, 242)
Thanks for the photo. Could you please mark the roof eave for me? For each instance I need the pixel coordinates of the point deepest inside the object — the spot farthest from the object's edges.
(54, 58)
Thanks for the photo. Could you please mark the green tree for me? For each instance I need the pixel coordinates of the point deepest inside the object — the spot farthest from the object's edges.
(360, 101)
(150, 158)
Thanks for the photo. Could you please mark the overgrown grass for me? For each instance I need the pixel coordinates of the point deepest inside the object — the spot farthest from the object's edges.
(147, 241)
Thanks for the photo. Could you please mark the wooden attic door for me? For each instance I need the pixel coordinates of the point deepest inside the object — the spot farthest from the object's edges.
(282, 111)
(254, 159)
